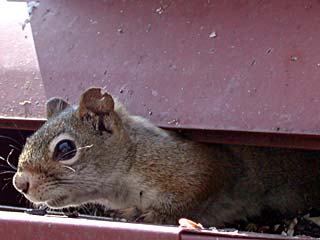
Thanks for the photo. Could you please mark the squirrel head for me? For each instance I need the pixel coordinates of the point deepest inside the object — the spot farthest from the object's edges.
(72, 157)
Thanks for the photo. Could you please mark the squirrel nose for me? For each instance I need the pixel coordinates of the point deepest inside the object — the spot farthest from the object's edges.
(21, 182)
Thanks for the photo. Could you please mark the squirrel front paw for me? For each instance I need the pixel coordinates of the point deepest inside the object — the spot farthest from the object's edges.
(147, 217)
(155, 217)
(133, 214)
(129, 214)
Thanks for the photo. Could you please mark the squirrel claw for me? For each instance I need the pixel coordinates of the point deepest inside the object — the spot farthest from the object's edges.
(129, 214)
(146, 217)
(151, 216)
(142, 217)
(133, 214)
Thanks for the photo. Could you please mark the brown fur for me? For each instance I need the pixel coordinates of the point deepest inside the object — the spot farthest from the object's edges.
(151, 175)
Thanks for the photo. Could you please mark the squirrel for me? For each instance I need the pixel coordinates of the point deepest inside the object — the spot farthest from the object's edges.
(96, 152)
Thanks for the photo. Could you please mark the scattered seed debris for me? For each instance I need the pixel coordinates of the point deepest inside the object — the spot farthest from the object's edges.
(32, 5)
(294, 58)
(160, 10)
(211, 50)
(24, 24)
(92, 21)
(174, 121)
(163, 6)
(273, 222)
(26, 105)
(269, 50)
(148, 28)
(25, 102)
(154, 93)
(46, 12)
(172, 66)
(186, 223)
(212, 35)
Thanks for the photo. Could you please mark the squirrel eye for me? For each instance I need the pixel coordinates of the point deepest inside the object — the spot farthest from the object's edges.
(64, 150)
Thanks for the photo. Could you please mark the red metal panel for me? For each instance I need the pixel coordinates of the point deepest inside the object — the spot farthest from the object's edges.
(261, 71)
(305, 141)
(20, 123)
(22, 226)
(21, 87)
(189, 234)
(258, 73)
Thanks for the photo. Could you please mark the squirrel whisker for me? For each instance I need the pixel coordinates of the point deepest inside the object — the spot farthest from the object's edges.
(9, 163)
(15, 147)
(70, 168)
(7, 172)
(7, 160)
(5, 185)
(12, 139)
(74, 150)
(88, 146)
(5, 166)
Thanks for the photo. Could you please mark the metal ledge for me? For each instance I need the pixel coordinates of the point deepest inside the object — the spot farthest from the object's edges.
(270, 139)
(14, 225)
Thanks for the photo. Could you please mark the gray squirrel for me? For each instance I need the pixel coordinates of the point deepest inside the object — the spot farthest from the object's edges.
(97, 152)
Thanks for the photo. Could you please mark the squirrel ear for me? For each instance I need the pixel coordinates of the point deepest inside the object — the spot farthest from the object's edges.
(55, 106)
(99, 107)
(94, 101)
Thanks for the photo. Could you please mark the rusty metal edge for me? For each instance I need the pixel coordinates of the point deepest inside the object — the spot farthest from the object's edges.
(16, 123)
(263, 139)
(270, 139)
(14, 225)
(187, 234)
